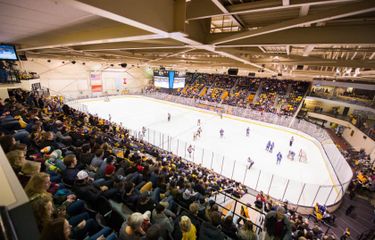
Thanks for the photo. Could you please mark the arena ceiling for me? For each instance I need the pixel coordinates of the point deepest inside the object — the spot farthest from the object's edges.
(305, 37)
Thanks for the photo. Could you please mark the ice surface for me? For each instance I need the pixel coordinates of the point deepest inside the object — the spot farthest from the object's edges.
(228, 155)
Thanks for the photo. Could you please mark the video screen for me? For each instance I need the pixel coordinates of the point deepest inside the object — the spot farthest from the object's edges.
(161, 82)
(8, 52)
(168, 79)
(179, 82)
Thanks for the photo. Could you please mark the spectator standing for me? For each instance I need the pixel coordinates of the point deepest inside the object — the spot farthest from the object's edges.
(277, 225)
(188, 229)
(209, 231)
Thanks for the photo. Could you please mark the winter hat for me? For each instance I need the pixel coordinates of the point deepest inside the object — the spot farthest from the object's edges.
(81, 175)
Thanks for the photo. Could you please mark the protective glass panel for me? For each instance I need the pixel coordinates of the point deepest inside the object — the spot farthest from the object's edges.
(278, 186)
(335, 194)
(252, 177)
(239, 171)
(293, 191)
(227, 167)
(197, 155)
(308, 195)
(207, 159)
(157, 139)
(174, 145)
(322, 194)
(264, 181)
(217, 162)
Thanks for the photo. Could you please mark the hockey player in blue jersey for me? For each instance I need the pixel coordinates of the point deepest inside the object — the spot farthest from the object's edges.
(268, 146)
(221, 133)
(271, 147)
(279, 157)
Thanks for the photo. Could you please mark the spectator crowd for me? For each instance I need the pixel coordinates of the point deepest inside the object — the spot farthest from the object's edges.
(80, 172)
(77, 168)
(262, 94)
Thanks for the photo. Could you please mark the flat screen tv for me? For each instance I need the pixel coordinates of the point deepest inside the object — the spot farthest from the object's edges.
(8, 52)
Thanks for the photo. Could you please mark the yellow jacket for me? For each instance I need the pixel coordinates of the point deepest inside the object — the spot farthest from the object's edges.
(22, 123)
(191, 235)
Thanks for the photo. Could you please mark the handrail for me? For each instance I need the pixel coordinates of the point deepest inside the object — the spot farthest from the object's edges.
(231, 197)
(7, 230)
(235, 205)
(202, 220)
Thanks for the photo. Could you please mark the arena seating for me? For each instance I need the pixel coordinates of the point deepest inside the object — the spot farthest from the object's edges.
(262, 94)
(79, 167)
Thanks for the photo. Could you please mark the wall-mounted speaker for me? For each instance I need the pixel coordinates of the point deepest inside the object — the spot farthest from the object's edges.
(251, 74)
(22, 57)
(299, 67)
(232, 71)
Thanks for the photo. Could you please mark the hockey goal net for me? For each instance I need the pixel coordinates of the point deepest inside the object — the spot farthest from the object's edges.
(302, 157)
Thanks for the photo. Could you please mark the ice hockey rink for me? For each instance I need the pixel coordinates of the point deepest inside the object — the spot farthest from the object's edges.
(294, 181)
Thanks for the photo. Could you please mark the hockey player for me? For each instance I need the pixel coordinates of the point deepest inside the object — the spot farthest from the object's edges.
(272, 146)
(144, 130)
(268, 147)
(221, 133)
(199, 131)
(109, 117)
(250, 162)
(190, 149)
(279, 157)
(199, 122)
(220, 112)
(247, 132)
(291, 155)
(291, 141)
(169, 117)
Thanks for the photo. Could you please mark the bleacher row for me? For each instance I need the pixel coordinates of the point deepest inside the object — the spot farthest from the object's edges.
(88, 167)
(263, 94)
(88, 179)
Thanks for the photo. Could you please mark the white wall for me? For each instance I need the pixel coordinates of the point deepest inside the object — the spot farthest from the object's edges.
(344, 84)
(73, 79)
(357, 141)
(12, 193)
(4, 93)
(327, 105)
(27, 84)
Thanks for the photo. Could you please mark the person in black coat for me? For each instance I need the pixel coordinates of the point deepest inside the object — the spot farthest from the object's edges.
(86, 190)
(229, 228)
(278, 225)
(209, 231)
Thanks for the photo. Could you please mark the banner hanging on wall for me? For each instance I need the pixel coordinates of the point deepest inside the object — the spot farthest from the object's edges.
(96, 82)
